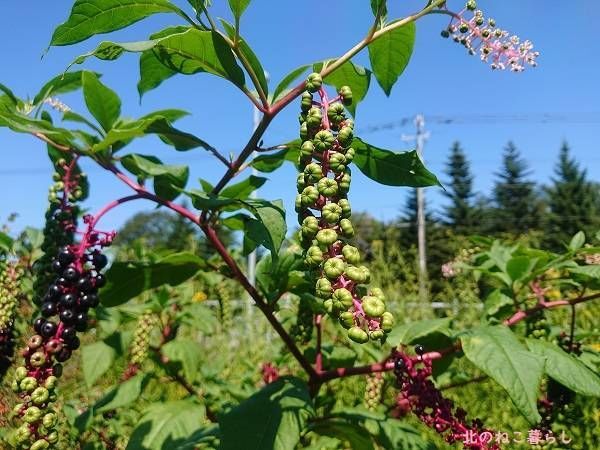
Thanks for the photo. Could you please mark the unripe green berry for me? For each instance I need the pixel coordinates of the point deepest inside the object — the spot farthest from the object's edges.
(345, 205)
(355, 274)
(333, 268)
(347, 228)
(40, 444)
(301, 118)
(314, 82)
(346, 319)
(471, 5)
(337, 162)
(328, 305)
(323, 140)
(50, 382)
(40, 395)
(307, 148)
(313, 172)
(358, 335)
(22, 434)
(327, 187)
(306, 102)
(303, 131)
(331, 212)
(314, 256)
(323, 288)
(300, 183)
(344, 183)
(14, 385)
(336, 113)
(387, 321)
(346, 94)
(20, 373)
(373, 306)
(342, 299)
(326, 236)
(345, 136)
(309, 227)
(38, 359)
(376, 335)
(314, 118)
(52, 437)
(366, 273)
(351, 254)
(28, 384)
(32, 414)
(309, 196)
(298, 203)
(350, 153)
(49, 420)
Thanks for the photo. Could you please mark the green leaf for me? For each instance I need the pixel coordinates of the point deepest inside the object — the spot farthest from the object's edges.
(495, 301)
(152, 71)
(379, 8)
(71, 116)
(165, 425)
(103, 103)
(520, 267)
(96, 359)
(243, 189)
(566, 369)
(390, 168)
(67, 82)
(269, 163)
(245, 50)
(498, 353)
(271, 228)
(171, 114)
(273, 418)
(412, 332)
(283, 275)
(592, 271)
(238, 7)
(91, 17)
(186, 352)
(354, 434)
(168, 180)
(348, 74)
(287, 80)
(11, 96)
(23, 124)
(6, 242)
(390, 54)
(127, 280)
(577, 241)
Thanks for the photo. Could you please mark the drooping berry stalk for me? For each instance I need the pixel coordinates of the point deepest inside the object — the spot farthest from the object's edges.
(141, 343)
(225, 311)
(324, 215)
(419, 395)
(10, 273)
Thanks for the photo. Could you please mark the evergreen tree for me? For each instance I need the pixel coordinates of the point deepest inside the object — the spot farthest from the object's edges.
(573, 202)
(517, 205)
(461, 214)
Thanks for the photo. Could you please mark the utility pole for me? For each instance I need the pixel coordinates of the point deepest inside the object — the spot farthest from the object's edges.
(420, 139)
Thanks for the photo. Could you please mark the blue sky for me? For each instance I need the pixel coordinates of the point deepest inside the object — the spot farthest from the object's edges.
(441, 81)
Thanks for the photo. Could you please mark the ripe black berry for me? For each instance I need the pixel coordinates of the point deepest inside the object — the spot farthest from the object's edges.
(67, 316)
(73, 344)
(419, 349)
(57, 266)
(70, 274)
(84, 284)
(68, 333)
(100, 280)
(49, 309)
(37, 325)
(67, 301)
(63, 355)
(57, 370)
(89, 301)
(398, 366)
(99, 260)
(48, 329)
(54, 291)
(65, 256)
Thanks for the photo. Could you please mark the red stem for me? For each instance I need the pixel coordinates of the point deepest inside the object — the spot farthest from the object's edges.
(319, 357)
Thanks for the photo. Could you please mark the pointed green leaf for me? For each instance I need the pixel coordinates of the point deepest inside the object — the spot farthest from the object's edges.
(103, 103)
(238, 7)
(592, 271)
(96, 359)
(186, 352)
(495, 301)
(243, 189)
(566, 369)
(169, 180)
(577, 241)
(390, 54)
(270, 162)
(287, 80)
(390, 168)
(165, 423)
(348, 74)
(272, 229)
(273, 418)
(67, 82)
(520, 267)
(91, 17)
(411, 333)
(498, 353)
(24, 124)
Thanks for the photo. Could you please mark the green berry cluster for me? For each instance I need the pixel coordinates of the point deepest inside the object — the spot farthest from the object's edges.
(225, 310)
(373, 391)
(69, 187)
(324, 215)
(10, 273)
(141, 338)
(302, 330)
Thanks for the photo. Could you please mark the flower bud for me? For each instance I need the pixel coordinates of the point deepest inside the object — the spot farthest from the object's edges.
(373, 306)
(323, 140)
(327, 187)
(337, 162)
(351, 254)
(323, 288)
(346, 319)
(347, 228)
(333, 268)
(314, 82)
(358, 335)
(326, 236)
(314, 256)
(309, 196)
(331, 212)
(306, 102)
(346, 94)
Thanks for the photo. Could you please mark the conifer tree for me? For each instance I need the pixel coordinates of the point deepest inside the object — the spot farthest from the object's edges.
(461, 213)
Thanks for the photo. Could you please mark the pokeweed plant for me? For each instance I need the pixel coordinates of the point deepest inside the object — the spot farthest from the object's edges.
(327, 277)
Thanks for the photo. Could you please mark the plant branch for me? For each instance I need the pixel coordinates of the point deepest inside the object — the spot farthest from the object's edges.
(319, 353)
